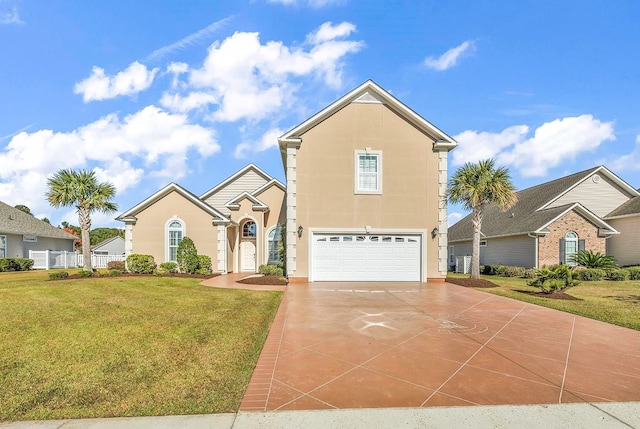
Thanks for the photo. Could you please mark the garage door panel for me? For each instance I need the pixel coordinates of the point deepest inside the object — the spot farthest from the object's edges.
(346, 257)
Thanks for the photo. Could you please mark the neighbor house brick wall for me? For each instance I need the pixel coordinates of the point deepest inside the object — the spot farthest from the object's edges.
(549, 245)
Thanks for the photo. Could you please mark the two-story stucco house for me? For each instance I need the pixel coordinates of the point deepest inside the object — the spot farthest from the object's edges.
(366, 185)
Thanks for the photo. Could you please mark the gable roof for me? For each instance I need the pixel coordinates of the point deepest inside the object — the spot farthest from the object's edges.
(234, 177)
(529, 214)
(370, 92)
(257, 204)
(107, 241)
(630, 208)
(14, 221)
(129, 215)
(269, 184)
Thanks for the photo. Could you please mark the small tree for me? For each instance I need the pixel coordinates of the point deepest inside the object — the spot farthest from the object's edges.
(187, 256)
(591, 259)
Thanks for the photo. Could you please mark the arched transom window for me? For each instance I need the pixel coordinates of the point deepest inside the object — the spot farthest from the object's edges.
(249, 229)
(175, 233)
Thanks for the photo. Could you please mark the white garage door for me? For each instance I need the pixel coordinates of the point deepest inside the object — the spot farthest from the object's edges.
(347, 257)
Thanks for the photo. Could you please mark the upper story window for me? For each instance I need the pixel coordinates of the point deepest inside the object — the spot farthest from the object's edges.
(175, 232)
(368, 172)
(249, 229)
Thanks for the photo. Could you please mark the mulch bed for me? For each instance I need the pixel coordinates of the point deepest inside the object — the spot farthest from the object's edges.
(264, 280)
(180, 275)
(468, 282)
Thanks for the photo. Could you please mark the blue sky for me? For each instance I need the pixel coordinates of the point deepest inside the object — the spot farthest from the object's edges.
(146, 93)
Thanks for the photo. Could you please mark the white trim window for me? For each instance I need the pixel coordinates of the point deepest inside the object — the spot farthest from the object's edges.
(273, 245)
(570, 247)
(249, 229)
(3, 246)
(368, 172)
(483, 243)
(175, 234)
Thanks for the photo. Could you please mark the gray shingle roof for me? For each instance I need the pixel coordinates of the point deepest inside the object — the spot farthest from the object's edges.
(630, 207)
(14, 221)
(522, 218)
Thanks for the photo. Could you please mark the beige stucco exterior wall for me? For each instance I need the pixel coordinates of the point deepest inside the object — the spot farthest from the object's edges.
(549, 245)
(149, 232)
(325, 174)
(625, 247)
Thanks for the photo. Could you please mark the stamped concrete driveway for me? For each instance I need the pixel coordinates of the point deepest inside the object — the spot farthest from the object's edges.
(368, 345)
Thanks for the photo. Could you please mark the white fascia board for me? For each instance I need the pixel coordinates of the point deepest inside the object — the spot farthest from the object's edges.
(272, 182)
(586, 212)
(233, 177)
(257, 204)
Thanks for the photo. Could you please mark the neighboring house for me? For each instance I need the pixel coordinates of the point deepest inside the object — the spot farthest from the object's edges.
(366, 192)
(235, 223)
(110, 246)
(590, 210)
(21, 232)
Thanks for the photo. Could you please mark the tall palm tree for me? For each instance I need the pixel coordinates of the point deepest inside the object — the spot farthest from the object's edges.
(81, 189)
(477, 186)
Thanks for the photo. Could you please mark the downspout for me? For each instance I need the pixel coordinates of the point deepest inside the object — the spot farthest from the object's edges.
(535, 248)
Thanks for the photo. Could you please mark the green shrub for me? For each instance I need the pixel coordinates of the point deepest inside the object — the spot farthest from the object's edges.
(116, 265)
(141, 264)
(634, 273)
(23, 264)
(168, 267)
(204, 265)
(487, 270)
(531, 273)
(591, 274)
(16, 264)
(618, 274)
(58, 275)
(510, 271)
(85, 273)
(187, 256)
(498, 269)
(270, 270)
(115, 272)
(591, 259)
(554, 278)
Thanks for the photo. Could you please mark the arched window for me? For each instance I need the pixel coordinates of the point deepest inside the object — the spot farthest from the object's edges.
(249, 229)
(175, 233)
(273, 244)
(570, 247)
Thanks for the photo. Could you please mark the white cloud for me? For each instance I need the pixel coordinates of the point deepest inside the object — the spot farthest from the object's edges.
(628, 162)
(11, 17)
(118, 150)
(552, 144)
(189, 40)
(130, 81)
(474, 146)
(242, 78)
(268, 140)
(449, 58)
(453, 218)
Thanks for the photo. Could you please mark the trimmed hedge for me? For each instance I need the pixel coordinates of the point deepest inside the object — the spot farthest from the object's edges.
(168, 267)
(16, 264)
(204, 265)
(270, 270)
(591, 274)
(634, 273)
(187, 256)
(141, 264)
(58, 275)
(618, 274)
(85, 273)
(116, 265)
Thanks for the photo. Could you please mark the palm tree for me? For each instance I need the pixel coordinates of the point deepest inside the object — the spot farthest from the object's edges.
(477, 186)
(81, 189)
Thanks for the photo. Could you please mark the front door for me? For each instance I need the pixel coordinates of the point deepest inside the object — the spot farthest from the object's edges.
(247, 256)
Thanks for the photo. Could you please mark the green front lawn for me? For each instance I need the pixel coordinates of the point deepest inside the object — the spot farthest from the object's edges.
(126, 346)
(608, 301)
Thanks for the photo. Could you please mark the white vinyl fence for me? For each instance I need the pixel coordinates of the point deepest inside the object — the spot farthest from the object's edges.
(463, 264)
(48, 259)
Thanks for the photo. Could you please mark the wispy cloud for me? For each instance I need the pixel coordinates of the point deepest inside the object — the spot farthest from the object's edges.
(15, 133)
(10, 17)
(189, 40)
(449, 58)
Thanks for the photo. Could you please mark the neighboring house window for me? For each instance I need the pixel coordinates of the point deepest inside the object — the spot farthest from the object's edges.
(100, 252)
(176, 233)
(368, 172)
(249, 229)
(569, 246)
(3, 246)
(273, 245)
(483, 243)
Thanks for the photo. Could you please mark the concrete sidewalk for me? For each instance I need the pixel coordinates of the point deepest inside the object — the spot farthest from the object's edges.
(583, 415)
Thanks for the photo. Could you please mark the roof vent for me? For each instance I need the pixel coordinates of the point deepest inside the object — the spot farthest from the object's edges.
(596, 178)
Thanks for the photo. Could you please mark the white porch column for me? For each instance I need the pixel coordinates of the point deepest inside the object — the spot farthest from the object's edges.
(291, 238)
(442, 212)
(128, 239)
(222, 249)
